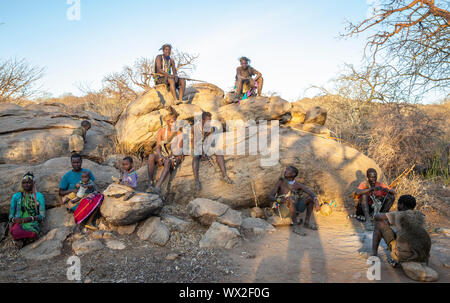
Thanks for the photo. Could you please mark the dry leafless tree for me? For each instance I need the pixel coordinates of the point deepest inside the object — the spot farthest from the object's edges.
(127, 84)
(410, 40)
(17, 79)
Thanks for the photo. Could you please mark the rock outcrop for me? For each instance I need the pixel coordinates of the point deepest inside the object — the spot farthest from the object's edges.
(220, 236)
(48, 175)
(35, 135)
(330, 168)
(123, 206)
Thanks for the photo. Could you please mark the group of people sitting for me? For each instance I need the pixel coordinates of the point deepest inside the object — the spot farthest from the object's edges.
(77, 190)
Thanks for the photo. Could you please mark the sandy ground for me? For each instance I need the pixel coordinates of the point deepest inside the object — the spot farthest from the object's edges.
(328, 255)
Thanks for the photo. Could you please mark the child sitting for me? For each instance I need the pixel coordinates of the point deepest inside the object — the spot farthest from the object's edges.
(85, 187)
(129, 176)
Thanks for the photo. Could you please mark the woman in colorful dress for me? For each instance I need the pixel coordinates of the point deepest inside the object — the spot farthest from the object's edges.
(27, 211)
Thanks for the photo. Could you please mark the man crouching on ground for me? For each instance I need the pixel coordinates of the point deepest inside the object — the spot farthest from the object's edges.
(288, 190)
(404, 233)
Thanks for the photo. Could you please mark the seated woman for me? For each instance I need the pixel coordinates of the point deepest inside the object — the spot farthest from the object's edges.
(168, 153)
(26, 212)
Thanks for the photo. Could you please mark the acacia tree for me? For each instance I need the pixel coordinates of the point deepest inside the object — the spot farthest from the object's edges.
(409, 42)
(17, 79)
(138, 77)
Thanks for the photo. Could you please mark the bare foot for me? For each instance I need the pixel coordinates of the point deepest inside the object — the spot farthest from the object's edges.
(227, 180)
(311, 226)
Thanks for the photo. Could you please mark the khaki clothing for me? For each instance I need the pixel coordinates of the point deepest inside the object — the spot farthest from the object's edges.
(76, 143)
(408, 224)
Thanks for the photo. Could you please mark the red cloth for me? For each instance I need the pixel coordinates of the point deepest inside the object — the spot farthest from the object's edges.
(377, 193)
(86, 207)
(18, 233)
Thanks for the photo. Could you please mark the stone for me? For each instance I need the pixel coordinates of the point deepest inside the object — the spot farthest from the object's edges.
(155, 231)
(47, 176)
(172, 257)
(328, 166)
(120, 210)
(256, 226)
(108, 235)
(97, 235)
(231, 218)
(55, 218)
(48, 246)
(419, 272)
(278, 222)
(257, 108)
(115, 244)
(127, 229)
(176, 224)
(257, 212)
(316, 115)
(311, 128)
(220, 236)
(24, 134)
(82, 247)
(149, 110)
(207, 211)
(298, 113)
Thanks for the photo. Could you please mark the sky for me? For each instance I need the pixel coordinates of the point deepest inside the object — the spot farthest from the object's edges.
(294, 44)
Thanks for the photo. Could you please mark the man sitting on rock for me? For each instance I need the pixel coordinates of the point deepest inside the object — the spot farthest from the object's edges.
(26, 212)
(78, 138)
(68, 186)
(289, 191)
(166, 73)
(245, 81)
(205, 130)
(404, 233)
(370, 190)
(168, 153)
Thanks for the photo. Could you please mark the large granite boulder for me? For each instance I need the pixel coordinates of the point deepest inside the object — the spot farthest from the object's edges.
(333, 170)
(122, 206)
(37, 135)
(138, 125)
(48, 175)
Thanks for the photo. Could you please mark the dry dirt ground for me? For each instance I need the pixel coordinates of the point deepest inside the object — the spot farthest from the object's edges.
(328, 255)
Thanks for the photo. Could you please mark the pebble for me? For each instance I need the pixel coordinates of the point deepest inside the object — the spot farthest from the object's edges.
(172, 257)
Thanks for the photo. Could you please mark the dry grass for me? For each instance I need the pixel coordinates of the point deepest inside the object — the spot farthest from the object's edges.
(93, 102)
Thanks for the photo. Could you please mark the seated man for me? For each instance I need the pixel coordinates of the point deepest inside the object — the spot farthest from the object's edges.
(371, 190)
(244, 78)
(205, 130)
(78, 138)
(289, 191)
(68, 186)
(404, 233)
(26, 212)
(168, 153)
(166, 73)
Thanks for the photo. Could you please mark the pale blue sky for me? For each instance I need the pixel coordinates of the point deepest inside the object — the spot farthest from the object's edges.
(293, 43)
